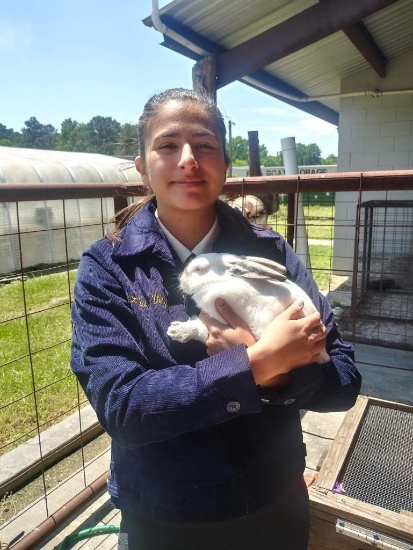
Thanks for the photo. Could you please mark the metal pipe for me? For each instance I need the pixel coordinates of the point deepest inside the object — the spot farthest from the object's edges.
(43, 530)
(166, 31)
(307, 99)
(48, 458)
(230, 125)
(397, 180)
(16, 192)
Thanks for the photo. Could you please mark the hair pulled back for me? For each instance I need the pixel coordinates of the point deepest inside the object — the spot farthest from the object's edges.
(182, 95)
(152, 107)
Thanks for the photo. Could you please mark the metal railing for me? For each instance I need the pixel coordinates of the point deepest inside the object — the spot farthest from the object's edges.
(43, 232)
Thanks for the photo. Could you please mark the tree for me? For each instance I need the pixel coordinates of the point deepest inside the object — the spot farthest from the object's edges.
(103, 135)
(38, 136)
(331, 159)
(8, 137)
(6, 133)
(263, 152)
(238, 150)
(308, 154)
(107, 136)
(66, 139)
(272, 160)
(100, 135)
(128, 140)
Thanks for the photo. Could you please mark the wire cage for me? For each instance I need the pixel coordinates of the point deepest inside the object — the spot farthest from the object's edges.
(384, 267)
(363, 493)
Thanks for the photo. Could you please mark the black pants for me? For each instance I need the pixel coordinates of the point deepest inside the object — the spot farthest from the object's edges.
(282, 525)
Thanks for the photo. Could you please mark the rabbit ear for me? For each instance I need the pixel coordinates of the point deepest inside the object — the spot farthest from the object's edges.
(257, 268)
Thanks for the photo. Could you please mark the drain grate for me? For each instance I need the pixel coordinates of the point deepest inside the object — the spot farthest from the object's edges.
(380, 469)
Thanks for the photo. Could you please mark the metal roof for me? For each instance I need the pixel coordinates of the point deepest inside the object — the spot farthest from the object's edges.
(293, 50)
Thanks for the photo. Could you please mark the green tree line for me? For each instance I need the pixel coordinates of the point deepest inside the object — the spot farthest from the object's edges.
(103, 135)
(107, 136)
(306, 154)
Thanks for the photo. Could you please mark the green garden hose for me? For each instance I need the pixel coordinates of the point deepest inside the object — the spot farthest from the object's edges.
(87, 533)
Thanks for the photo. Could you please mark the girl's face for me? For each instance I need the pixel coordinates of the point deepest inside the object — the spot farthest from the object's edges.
(184, 160)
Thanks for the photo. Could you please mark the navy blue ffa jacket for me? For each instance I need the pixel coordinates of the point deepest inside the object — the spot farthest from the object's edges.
(193, 438)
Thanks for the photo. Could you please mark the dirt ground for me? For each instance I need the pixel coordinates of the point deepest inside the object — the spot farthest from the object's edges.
(13, 503)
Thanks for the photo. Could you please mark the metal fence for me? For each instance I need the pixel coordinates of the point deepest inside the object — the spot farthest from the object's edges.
(43, 413)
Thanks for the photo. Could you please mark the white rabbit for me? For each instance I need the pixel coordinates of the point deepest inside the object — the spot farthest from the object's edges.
(255, 288)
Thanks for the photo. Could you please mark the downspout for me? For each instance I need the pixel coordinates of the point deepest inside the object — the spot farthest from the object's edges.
(308, 99)
(289, 153)
(166, 31)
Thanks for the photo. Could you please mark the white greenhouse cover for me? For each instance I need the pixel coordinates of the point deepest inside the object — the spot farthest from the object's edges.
(48, 228)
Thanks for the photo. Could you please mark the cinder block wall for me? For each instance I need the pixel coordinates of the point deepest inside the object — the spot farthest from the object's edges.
(375, 133)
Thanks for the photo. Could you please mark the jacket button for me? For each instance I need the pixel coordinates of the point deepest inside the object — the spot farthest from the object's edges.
(289, 401)
(233, 407)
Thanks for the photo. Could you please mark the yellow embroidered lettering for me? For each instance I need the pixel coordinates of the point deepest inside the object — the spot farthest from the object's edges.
(159, 299)
(140, 301)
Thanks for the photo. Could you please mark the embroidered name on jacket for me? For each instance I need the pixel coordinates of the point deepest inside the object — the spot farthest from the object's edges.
(156, 299)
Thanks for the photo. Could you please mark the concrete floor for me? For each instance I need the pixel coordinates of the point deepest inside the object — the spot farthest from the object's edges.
(387, 374)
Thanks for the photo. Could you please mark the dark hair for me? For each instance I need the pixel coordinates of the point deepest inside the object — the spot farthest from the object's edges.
(151, 109)
(157, 101)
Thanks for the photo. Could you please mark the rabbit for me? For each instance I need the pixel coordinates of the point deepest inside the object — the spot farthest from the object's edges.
(252, 207)
(255, 288)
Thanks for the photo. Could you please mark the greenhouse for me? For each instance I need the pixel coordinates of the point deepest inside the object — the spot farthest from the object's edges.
(47, 228)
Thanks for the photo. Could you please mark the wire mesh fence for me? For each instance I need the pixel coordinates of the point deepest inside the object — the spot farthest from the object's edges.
(41, 239)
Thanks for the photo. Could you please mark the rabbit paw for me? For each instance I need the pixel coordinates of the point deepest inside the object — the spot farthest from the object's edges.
(194, 329)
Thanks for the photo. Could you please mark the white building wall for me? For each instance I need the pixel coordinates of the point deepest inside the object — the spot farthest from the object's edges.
(374, 134)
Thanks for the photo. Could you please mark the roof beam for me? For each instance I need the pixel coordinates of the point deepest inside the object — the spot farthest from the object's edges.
(366, 45)
(263, 81)
(305, 28)
(268, 84)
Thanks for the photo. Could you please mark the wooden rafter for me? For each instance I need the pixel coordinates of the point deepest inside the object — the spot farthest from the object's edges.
(366, 45)
(361, 38)
(305, 28)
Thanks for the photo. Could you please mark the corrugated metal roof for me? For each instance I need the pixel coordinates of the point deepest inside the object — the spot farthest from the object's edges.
(216, 19)
(316, 69)
(393, 28)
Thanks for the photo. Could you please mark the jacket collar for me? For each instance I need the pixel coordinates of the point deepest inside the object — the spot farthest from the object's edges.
(142, 232)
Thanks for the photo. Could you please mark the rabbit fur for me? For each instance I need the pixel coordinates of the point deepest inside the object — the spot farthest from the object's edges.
(255, 288)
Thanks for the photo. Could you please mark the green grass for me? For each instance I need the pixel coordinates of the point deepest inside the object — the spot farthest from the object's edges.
(320, 226)
(319, 221)
(37, 387)
(321, 264)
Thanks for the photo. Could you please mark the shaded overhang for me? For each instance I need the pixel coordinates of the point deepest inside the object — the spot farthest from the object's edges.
(297, 50)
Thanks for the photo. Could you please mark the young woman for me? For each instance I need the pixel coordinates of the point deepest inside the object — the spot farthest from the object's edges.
(207, 448)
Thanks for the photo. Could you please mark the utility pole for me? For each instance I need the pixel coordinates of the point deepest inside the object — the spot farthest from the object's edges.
(230, 125)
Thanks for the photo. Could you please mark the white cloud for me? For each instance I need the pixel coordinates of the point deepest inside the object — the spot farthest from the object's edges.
(13, 36)
(318, 126)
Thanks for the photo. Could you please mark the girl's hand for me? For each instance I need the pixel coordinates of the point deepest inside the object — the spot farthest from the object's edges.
(222, 337)
(289, 341)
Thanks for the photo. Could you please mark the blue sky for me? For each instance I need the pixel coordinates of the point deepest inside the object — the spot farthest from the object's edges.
(82, 58)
